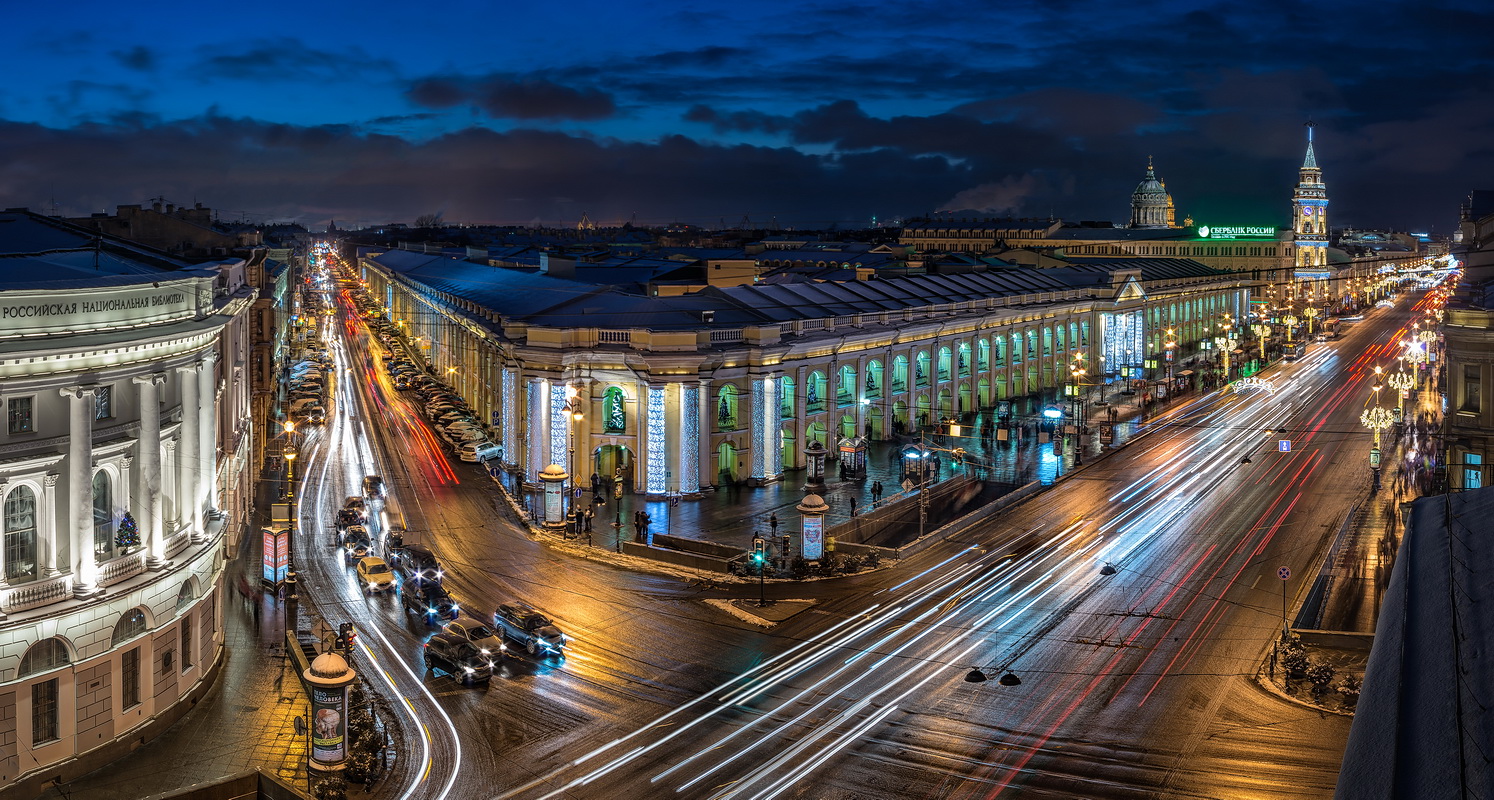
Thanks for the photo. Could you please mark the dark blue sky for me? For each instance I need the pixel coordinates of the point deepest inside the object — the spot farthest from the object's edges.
(811, 112)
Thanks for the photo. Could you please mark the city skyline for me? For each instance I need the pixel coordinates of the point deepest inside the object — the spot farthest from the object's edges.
(814, 115)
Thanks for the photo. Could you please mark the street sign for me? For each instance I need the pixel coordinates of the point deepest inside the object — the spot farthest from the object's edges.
(1285, 445)
(907, 484)
(1284, 573)
(323, 633)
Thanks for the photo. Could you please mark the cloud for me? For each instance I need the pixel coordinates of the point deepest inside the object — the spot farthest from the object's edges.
(288, 60)
(737, 121)
(1002, 197)
(139, 58)
(503, 97)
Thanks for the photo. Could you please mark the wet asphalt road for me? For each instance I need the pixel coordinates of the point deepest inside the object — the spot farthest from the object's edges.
(1135, 684)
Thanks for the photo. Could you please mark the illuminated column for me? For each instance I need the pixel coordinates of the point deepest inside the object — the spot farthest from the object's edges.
(81, 409)
(207, 443)
(772, 428)
(801, 410)
(510, 405)
(655, 443)
(148, 477)
(757, 389)
(703, 428)
(859, 391)
(188, 450)
(560, 424)
(47, 522)
(689, 438)
(536, 420)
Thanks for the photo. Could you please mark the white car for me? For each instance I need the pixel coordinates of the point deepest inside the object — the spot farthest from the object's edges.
(374, 574)
(477, 450)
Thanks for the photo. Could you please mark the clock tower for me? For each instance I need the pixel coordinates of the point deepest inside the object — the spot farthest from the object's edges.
(1310, 216)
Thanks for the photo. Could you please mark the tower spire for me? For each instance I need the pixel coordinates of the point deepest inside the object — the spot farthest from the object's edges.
(1311, 161)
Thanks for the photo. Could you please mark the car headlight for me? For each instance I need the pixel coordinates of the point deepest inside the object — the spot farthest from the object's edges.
(430, 611)
(455, 608)
(469, 670)
(485, 651)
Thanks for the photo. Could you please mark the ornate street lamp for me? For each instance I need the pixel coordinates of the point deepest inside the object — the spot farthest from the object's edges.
(1262, 333)
(1310, 312)
(1226, 346)
(1290, 321)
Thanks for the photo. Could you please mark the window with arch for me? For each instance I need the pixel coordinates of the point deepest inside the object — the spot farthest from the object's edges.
(983, 356)
(899, 374)
(814, 393)
(1031, 345)
(20, 535)
(103, 517)
(963, 355)
(845, 388)
(131, 623)
(1016, 347)
(44, 656)
(185, 595)
(944, 363)
(921, 368)
(1047, 342)
(874, 380)
(726, 408)
(614, 410)
(786, 389)
(1058, 336)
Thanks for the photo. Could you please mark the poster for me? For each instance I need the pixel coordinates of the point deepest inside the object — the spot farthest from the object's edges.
(814, 537)
(329, 724)
(276, 558)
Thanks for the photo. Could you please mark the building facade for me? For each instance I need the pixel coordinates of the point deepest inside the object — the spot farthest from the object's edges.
(1468, 335)
(730, 384)
(122, 483)
(1151, 205)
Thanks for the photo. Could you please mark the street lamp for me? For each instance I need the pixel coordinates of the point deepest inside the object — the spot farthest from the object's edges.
(574, 408)
(1262, 333)
(1226, 346)
(1310, 312)
(1290, 321)
(1171, 347)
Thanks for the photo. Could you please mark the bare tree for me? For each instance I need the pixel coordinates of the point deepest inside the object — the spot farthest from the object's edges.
(429, 220)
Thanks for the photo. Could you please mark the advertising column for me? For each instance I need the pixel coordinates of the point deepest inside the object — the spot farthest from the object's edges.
(328, 679)
(812, 533)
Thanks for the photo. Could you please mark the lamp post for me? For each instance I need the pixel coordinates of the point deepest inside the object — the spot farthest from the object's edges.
(1290, 321)
(1171, 347)
(574, 411)
(1310, 312)
(1262, 333)
(291, 598)
(1226, 345)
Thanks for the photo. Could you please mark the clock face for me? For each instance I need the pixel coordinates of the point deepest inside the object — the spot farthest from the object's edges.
(1307, 211)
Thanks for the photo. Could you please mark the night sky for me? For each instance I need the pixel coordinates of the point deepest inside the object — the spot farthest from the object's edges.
(812, 112)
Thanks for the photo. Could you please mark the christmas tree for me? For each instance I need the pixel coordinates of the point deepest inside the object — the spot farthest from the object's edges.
(128, 534)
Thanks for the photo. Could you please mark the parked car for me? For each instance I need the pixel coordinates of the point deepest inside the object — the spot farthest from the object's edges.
(488, 643)
(481, 450)
(374, 574)
(431, 602)
(526, 625)
(416, 564)
(459, 658)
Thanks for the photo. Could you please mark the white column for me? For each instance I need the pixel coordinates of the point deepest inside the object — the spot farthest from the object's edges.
(703, 432)
(207, 441)
(801, 410)
(81, 409)
(187, 458)
(47, 527)
(536, 427)
(147, 492)
(757, 390)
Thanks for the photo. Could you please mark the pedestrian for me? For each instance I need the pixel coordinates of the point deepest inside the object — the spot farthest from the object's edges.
(596, 483)
(590, 512)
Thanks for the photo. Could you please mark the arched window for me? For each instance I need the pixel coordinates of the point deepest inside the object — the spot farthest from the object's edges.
(874, 379)
(44, 656)
(20, 535)
(845, 389)
(944, 359)
(726, 408)
(786, 404)
(131, 624)
(103, 517)
(185, 597)
(814, 393)
(983, 355)
(899, 374)
(921, 368)
(614, 410)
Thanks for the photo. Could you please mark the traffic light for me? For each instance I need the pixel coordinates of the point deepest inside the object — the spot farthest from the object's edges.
(346, 635)
(759, 551)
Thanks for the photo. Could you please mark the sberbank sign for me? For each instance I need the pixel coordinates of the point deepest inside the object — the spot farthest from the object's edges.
(1237, 231)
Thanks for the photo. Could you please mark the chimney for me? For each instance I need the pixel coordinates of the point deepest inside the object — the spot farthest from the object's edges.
(557, 266)
(156, 207)
(170, 207)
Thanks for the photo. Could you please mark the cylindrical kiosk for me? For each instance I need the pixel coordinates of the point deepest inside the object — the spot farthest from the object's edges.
(554, 477)
(328, 679)
(812, 531)
(814, 456)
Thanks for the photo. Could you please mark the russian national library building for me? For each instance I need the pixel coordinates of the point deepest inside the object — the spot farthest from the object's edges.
(121, 487)
(729, 383)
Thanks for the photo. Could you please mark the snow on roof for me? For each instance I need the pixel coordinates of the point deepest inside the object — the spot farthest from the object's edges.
(1422, 729)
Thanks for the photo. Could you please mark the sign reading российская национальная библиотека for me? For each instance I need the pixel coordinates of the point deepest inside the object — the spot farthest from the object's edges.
(96, 309)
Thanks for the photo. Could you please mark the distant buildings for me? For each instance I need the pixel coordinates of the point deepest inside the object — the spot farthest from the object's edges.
(126, 478)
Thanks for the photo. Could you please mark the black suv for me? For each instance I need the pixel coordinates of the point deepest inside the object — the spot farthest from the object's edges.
(430, 602)
(416, 564)
(458, 657)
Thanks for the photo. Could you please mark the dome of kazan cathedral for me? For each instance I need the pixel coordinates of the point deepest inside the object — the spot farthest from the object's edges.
(1151, 205)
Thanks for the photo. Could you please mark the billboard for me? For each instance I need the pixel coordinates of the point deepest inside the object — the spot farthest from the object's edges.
(276, 555)
(1237, 231)
(329, 724)
(813, 545)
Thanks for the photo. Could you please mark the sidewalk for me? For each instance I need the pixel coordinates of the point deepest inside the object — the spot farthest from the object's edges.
(244, 721)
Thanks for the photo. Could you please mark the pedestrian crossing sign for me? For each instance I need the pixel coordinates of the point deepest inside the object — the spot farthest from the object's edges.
(1285, 445)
